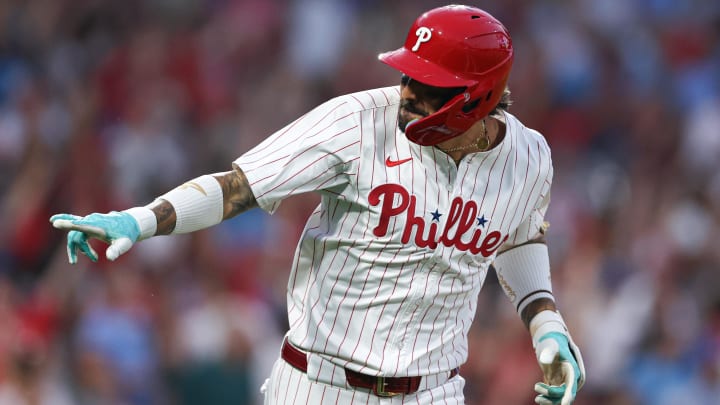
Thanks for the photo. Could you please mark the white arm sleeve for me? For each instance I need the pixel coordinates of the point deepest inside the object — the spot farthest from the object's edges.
(524, 274)
(198, 204)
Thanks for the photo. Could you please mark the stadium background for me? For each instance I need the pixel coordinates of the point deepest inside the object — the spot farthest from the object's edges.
(105, 104)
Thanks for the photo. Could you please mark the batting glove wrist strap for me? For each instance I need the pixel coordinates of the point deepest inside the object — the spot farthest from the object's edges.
(198, 204)
(147, 222)
(545, 322)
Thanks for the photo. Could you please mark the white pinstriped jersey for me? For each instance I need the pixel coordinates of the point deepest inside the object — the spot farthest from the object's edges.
(388, 268)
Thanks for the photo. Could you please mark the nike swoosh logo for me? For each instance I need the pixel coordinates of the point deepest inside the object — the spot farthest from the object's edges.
(393, 163)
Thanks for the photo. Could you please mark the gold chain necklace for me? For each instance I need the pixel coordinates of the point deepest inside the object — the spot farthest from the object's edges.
(482, 142)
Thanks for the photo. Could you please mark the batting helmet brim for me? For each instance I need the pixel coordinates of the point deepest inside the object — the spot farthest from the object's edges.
(422, 70)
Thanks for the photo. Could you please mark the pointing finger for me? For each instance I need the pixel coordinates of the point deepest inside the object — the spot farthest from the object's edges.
(66, 224)
(66, 217)
(80, 226)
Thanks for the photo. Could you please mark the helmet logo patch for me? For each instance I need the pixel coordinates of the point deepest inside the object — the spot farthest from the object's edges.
(423, 35)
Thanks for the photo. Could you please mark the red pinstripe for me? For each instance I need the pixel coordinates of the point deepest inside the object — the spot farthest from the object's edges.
(298, 385)
(362, 328)
(322, 398)
(279, 159)
(286, 387)
(412, 315)
(317, 301)
(487, 182)
(500, 183)
(293, 281)
(352, 231)
(512, 191)
(307, 397)
(307, 291)
(382, 360)
(332, 289)
(452, 341)
(283, 133)
(427, 311)
(304, 168)
(435, 324)
(529, 201)
(522, 191)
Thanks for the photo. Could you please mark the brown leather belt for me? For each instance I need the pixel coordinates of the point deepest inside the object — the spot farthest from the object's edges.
(380, 386)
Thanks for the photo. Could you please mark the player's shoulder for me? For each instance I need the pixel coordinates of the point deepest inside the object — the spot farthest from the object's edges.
(526, 136)
(369, 99)
(530, 146)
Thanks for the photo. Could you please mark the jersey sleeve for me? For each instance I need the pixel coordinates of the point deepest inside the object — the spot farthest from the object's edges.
(313, 153)
(534, 224)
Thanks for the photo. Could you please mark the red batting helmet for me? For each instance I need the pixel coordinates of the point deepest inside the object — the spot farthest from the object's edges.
(455, 46)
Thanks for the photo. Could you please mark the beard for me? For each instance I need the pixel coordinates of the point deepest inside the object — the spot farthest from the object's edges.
(402, 123)
(408, 113)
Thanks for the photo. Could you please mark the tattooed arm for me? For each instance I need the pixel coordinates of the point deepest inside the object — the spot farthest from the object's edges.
(197, 204)
(237, 198)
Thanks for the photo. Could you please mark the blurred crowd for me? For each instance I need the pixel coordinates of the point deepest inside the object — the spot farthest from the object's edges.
(106, 104)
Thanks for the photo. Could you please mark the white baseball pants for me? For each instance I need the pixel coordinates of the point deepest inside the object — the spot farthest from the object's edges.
(290, 386)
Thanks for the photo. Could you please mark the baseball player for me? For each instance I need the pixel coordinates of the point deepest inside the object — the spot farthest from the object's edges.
(423, 187)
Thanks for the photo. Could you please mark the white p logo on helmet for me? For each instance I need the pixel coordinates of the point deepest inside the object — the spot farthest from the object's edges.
(423, 35)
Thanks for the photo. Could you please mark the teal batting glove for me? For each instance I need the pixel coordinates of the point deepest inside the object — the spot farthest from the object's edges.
(559, 359)
(559, 366)
(120, 229)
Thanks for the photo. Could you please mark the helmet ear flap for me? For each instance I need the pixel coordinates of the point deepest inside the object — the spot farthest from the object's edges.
(468, 107)
(462, 113)
(448, 122)
(471, 105)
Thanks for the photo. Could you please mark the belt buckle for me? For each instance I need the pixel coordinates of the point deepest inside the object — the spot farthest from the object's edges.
(379, 389)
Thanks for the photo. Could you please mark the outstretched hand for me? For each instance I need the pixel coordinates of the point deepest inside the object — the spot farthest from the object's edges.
(562, 367)
(119, 229)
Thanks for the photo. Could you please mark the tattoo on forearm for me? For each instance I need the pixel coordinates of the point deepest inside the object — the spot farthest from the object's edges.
(237, 198)
(165, 214)
(535, 307)
(237, 195)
